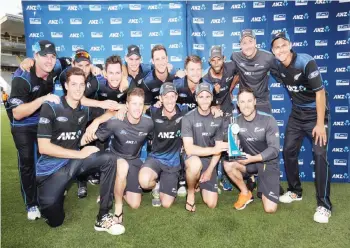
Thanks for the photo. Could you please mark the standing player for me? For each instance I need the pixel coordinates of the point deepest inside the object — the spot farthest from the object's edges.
(59, 132)
(128, 137)
(29, 91)
(163, 163)
(309, 117)
(202, 137)
(259, 138)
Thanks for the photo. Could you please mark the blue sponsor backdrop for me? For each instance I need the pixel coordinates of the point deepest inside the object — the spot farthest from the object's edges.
(319, 28)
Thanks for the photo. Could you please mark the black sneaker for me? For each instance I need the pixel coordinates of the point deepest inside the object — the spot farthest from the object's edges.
(94, 179)
(82, 189)
(250, 184)
(107, 224)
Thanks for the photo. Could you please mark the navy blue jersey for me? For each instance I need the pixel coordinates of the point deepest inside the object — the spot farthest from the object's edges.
(185, 95)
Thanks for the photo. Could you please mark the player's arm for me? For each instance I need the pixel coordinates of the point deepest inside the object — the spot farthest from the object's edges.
(19, 100)
(92, 128)
(274, 72)
(213, 162)
(104, 131)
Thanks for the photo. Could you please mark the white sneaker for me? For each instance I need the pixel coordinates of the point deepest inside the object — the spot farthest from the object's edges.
(182, 191)
(289, 197)
(107, 224)
(155, 191)
(33, 213)
(322, 215)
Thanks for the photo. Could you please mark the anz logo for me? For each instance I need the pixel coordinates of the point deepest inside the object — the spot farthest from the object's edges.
(69, 136)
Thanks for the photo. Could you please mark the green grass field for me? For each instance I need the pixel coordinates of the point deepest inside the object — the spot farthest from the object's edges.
(291, 226)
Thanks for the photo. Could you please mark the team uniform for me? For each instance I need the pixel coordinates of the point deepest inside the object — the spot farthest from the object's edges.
(64, 127)
(164, 158)
(26, 87)
(127, 142)
(144, 69)
(254, 73)
(204, 130)
(151, 86)
(185, 95)
(303, 79)
(261, 136)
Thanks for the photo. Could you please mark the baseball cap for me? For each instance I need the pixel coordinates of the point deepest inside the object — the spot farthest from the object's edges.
(44, 47)
(82, 55)
(216, 51)
(133, 49)
(283, 35)
(246, 33)
(204, 87)
(166, 88)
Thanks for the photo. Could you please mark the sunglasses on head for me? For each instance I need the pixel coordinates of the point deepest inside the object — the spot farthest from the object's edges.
(82, 54)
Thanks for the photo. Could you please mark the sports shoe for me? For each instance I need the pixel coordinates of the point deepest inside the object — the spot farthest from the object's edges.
(94, 179)
(289, 197)
(82, 189)
(226, 184)
(182, 191)
(107, 224)
(322, 215)
(33, 213)
(250, 184)
(98, 199)
(243, 201)
(156, 196)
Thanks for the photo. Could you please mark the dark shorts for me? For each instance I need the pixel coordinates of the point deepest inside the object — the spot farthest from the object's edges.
(268, 179)
(168, 175)
(132, 179)
(212, 184)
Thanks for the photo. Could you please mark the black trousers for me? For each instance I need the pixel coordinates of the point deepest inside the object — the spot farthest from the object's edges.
(26, 143)
(51, 188)
(300, 124)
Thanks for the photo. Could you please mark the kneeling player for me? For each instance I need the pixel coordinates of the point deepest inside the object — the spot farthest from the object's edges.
(259, 138)
(202, 137)
(163, 163)
(59, 132)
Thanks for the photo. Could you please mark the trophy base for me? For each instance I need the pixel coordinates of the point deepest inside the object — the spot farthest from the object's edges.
(238, 157)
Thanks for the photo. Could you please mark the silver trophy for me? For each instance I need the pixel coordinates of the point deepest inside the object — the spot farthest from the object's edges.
(234, 151)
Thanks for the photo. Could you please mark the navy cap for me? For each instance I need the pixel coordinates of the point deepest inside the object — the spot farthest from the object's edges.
(166, 88)
(283, 35)
(204, 87)
(44, 47)
(247, 33)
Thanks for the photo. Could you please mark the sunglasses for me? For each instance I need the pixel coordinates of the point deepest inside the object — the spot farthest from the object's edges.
(82, 55)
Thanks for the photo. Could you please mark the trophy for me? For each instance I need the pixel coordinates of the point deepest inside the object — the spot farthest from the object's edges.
(234, 151)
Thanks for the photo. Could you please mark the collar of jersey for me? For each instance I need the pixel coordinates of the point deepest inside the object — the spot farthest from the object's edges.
(178, 111)
(66, 105)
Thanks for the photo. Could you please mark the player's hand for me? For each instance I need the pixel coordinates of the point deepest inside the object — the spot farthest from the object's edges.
(158, 104)
(87, 151)
(95, 70)
(109, 104)
(180, 74)
(170, 67)
(52, 98)
(206, 176)
(124, 84)
(91, 131)
(220, 147)
(26, 64)
(217, 112)
(246, 161)
(217, 88)
(120, 115)
(320, 135)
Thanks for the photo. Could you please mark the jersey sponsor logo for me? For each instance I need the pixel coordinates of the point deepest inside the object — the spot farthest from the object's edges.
(198, 124)
(135, 6)
(278, 97)
(44, 120)
(36, 88)
(182, 95)
(273, 195)
(343, 55)
(259, 129)
(218, 6)
(54, 7)
(340, 149)
(322, 15)
(104, 94)
(118, 20)
(35, 21)
(300, 30)
(155, 20)
(341, 109)
(198, 20)
(174, 6)
(213, 124)
(95, 7)
(296, 88)
(237, 19)
(115, 7)
(239, 6)
(142, 134)
(250, 139)
(75, 21)
(321, 42)
(131, 142)
(258, 19)
(343, 136)
(343, 27)
(205, 134)
(301, 2)
(340, 162)
(167, 135)
(62, 119)
(342, 82)
(313, 74)
(159, 121)
(322, 29)
(242, 130)
(175, 32)
(123, 132)
(279, 17)
(69, 136)
(258, 4)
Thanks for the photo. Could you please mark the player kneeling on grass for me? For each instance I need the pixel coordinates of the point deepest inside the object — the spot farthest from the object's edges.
(202, 137)
(59, 135)
(259, 139)
(163, 163)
